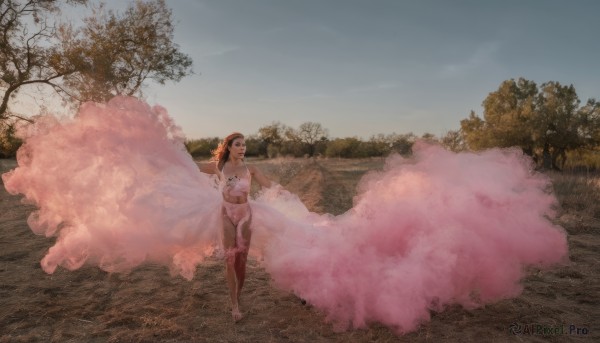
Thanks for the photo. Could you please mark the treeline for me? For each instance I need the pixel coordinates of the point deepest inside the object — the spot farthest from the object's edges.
(289, 145)
(311, 139)
(548, 123)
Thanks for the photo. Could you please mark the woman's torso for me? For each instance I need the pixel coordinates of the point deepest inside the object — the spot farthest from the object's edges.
(235, 182)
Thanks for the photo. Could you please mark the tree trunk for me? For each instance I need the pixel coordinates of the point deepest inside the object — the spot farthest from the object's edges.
(528, 151)
(4, 104)
(556, 154)
(547, 160)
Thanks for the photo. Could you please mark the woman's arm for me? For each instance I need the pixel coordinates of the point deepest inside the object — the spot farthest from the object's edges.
(208, 167)
(262, 180)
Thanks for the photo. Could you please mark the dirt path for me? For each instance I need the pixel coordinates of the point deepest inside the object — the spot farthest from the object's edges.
(149, 305)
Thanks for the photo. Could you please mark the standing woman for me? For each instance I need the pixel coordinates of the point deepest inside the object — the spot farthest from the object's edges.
(235, 177)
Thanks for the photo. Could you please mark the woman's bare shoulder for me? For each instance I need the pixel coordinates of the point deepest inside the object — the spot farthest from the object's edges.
(259, 176)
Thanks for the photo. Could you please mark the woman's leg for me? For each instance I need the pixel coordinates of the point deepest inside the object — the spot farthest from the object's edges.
(242, 253)
(229, 233)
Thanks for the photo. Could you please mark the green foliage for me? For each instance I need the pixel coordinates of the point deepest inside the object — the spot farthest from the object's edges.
(546, 122)
(30, 50)
(312, 136)
(202, 147)
(402, 144)
(9, 143)
(253, 144)
(293, 148)
(345, 148)
(112, 54)
(116, 53)
(583, 160)
(271, 139)
(509, 118)
(453, 141)
(276, 139)
(377, 145)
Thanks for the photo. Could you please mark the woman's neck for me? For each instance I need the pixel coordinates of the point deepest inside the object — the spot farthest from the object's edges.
(234, 161)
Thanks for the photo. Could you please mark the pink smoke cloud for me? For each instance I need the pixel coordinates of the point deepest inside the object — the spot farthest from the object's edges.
(118, 189)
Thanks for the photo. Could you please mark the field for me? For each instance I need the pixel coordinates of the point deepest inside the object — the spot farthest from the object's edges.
(149, 305)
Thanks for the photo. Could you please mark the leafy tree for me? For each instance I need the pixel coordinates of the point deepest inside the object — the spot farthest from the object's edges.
(111, 54)
(30, 50)
(311, 134)
(378, 145)
(119, 52)
(9, 143)
(252, 145)
(345, 147)
(310, 138)
(509, 117)
(558, 122)
(202, 147)
(474, 129)
(545, 122)
(429, 137)
(589, 115)
(271, 137)
(402, 144)
(454, 141)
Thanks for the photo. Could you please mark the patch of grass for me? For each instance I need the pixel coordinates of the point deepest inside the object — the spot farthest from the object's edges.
(577, 192)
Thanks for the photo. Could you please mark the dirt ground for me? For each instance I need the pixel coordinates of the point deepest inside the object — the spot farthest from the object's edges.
(149, 305)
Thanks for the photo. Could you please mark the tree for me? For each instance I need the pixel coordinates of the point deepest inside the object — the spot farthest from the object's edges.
(453, 140)
(402, 144)
(474, 130)
(345, 148)
(558, 122)
(509, 117)
(202, 147)
(119, 52)
(111, 54)
(589, 115)
(311, 134)
(429, 137)
(378, 145)
(544, 122)
(9, 142)
(252, 145)
(271, 137)
(30, 53)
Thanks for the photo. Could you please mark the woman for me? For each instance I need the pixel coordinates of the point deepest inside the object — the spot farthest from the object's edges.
(235, 177)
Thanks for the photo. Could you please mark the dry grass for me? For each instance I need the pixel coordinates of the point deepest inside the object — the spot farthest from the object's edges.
(148, 305)
(579, 195)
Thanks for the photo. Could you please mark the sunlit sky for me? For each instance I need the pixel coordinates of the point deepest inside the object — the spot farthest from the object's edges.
(366, 67)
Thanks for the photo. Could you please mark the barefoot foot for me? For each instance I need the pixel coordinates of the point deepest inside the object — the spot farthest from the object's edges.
(236, 314)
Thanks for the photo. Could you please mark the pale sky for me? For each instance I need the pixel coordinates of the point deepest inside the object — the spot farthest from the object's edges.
(373, 66)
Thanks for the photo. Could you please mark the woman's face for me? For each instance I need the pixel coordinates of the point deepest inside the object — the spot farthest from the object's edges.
(238, 148)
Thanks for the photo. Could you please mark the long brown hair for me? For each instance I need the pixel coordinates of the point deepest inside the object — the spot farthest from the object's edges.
(221, 153)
